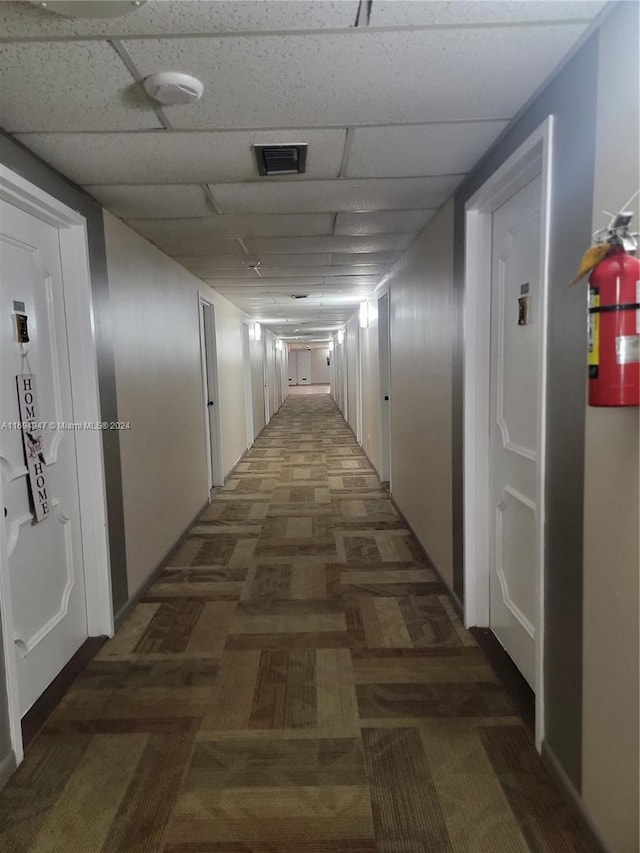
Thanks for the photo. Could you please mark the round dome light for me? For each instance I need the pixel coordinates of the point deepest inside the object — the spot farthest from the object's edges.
(173, 87)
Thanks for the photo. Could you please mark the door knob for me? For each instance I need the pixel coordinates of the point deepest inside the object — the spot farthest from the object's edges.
(386, 396)
(210, 403)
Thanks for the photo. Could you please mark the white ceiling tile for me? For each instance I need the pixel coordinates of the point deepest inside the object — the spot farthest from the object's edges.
(348, 281)
(213, 262)
(173, 17)
(53, 86)
(394, 13)
(153, 201)
(228, 275)
(382, 222)
(360, 258)
(284, 225)
(300, 260)
(178, 158)
(420, 149)
(337, 243)
(297, 272)
(321, 196)
(262, 285)
(362, 77)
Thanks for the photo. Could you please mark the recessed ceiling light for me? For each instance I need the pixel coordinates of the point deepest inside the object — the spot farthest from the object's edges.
(90, 8)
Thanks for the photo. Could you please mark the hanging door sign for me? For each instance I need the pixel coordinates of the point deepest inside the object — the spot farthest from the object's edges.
(32, 440)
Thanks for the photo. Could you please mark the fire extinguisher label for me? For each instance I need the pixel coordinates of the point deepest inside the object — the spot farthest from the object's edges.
(593, 332)
(627, 349)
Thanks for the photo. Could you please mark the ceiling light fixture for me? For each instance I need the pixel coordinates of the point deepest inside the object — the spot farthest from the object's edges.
(173, 87)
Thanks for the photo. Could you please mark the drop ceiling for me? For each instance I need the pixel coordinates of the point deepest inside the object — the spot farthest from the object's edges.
(396, 101)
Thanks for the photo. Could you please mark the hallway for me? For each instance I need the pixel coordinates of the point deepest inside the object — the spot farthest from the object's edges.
(295, 680)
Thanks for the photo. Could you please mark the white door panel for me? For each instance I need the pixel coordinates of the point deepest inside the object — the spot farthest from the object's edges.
(304, 366)
(514, 403)
(45, 563)
(293, 367)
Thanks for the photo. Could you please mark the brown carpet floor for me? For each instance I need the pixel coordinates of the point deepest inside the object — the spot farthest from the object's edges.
(296, 681)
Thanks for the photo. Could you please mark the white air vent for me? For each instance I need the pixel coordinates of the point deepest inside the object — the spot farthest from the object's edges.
(281, 159)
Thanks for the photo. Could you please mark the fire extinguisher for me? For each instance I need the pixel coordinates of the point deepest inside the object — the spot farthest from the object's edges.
(614, 318)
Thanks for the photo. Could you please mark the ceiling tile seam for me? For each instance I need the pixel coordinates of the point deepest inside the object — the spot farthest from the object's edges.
(263, 129)
(137, 76)
(336, 181)
(208, 185)
(326, 31)
(205, 187)
(346, 150)
(285, 236)
(243, 245)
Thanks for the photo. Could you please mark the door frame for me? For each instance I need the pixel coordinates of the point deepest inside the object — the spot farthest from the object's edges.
(213, 454)
(83, 360)
(532, 158)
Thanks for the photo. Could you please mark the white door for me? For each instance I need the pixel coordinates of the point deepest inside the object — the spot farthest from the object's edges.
(304, 366)
(385, 386)
(248, 392)
(516, 324)
(211, 392)
(293, 367)
(45, 565)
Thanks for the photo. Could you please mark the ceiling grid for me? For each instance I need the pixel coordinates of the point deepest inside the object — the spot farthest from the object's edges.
(395, 99)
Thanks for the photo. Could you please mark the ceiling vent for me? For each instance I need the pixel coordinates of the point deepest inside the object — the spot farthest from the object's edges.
(281, 159)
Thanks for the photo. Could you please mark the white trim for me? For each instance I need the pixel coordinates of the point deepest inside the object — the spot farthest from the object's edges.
(532, 158)
(83, 361)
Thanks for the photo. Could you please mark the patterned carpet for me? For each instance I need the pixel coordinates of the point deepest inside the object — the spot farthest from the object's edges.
(296, 681)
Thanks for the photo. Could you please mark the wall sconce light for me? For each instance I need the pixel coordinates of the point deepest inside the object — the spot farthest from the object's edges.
(257, 331)
(330, 346)
(364, 314)
(279, 344)
(340, 336)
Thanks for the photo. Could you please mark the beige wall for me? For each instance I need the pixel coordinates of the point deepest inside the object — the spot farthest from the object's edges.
(421, 347)
(154, 305)
(612, 511)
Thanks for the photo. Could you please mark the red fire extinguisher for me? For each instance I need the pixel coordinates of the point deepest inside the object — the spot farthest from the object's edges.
(614, 320)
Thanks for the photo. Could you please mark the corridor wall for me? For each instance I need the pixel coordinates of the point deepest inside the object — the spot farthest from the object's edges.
(592, 500)
(611, 726)
(154, 304)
